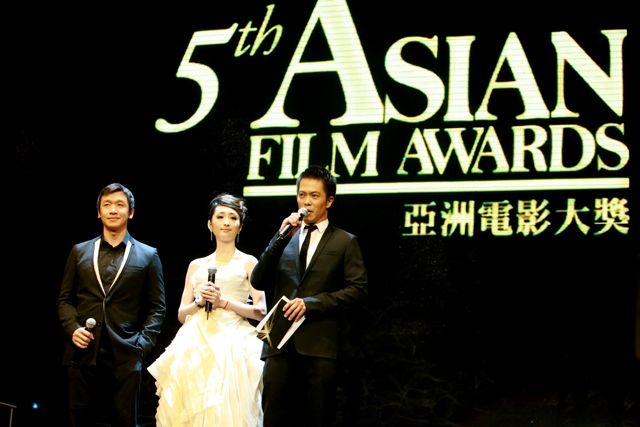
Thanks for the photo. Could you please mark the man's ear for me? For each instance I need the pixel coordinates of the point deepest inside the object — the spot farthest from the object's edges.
(131, 212)
(330, 200)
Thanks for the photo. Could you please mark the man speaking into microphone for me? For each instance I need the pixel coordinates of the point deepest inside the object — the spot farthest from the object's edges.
(320, 269)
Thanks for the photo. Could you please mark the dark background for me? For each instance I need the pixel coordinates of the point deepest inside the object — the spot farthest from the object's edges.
(458, 331)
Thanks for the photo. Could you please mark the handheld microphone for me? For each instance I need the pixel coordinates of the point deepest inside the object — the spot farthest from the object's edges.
(89, 324)
(287, 229)
(212, 279)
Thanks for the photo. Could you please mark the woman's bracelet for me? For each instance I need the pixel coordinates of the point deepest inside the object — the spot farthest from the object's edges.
(225, 305)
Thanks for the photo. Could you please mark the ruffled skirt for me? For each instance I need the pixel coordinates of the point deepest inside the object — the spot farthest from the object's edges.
(210, 374)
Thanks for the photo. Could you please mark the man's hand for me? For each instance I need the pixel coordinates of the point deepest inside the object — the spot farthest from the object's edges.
(294, 309)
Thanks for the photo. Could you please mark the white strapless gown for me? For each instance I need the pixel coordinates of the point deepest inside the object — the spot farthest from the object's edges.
(211, 373)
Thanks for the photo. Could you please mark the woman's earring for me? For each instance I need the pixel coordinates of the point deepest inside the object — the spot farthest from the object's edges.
(211, 234)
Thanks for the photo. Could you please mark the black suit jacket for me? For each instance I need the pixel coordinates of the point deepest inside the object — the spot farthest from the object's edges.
(131, 312)
(335, 279)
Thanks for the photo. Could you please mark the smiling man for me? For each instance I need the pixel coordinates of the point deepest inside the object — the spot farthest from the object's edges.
(320, 268)
(111, 307)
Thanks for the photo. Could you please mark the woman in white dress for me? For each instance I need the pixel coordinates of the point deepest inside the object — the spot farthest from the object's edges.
(211, 373)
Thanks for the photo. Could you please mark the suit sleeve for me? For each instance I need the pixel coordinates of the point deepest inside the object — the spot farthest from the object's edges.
(264, 273)
(157, 306)
(67, 313)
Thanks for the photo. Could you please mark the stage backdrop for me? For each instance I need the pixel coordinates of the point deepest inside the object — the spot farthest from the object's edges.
(486, 159)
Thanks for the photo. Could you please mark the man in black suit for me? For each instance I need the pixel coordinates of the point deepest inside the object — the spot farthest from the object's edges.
(118, 281)
(300, 378)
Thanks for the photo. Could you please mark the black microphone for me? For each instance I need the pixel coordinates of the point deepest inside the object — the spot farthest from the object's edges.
(89, 324)
(212, 279)
(287, 229)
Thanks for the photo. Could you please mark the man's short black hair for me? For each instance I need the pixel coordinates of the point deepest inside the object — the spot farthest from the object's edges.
(114, 188)
(323, 174)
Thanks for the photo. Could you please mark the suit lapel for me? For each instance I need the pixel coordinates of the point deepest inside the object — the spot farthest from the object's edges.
(125, 258)
(321, 244)
(96, 269)
(294, 247)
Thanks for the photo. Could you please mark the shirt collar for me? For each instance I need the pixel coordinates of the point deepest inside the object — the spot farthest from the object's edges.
(322, 225)
(123, 244)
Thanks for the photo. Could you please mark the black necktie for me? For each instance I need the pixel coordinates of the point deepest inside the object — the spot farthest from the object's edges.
(305, 247)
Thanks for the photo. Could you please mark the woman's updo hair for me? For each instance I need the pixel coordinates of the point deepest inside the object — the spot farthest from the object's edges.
(236, 203)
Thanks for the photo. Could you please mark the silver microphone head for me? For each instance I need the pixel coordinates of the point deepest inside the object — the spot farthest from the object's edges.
(90, 323)
(303, 212)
